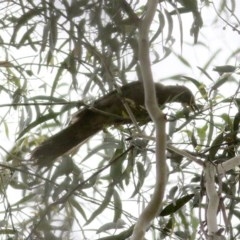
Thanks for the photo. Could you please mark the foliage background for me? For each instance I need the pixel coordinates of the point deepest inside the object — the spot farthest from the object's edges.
(55, 53)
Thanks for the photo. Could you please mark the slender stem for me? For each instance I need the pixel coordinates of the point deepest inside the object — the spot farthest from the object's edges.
(153, 208)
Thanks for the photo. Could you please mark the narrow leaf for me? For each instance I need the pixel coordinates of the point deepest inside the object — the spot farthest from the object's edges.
(78, 207)
(26, 36)
(141, 178)
(117, 206)
(223, 79)
(170, 25)
(40, 120)
(103, 205)
(173, 207)
(24, 19)
(200, 86)
(216, 144)
(205, 73)
(160, 27)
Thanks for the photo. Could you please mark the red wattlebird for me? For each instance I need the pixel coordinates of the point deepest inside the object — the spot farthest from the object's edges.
(107, 110)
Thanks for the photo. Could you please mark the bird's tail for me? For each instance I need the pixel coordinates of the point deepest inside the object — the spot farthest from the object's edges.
(64, 141)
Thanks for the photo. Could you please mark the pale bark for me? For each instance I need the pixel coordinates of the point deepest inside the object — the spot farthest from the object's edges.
(153, 208)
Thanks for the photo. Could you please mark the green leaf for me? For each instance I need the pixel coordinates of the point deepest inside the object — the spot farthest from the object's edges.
(225, 69)
(216, 144)
(236, 122)
(167, 230)
(208, 63)
(26, 36)
(130, 164)
(160, 27)
(26, 199)
(200, 86)
(24, 19)
(102, 146)
(167, 51)
(184, 61)
(202, 132)
(53, 33)
(111, 226)
(170, 25)
(194, 140)
(227, 119)
(61, 69)
(116, 170)
(6, 129)
(141, 177)
(103, 205)
(78, 207)
(205, 73)
(117, 206)
(233, 54)
(236, 213)
(172, 192)
(173, 207)
(223, 79)
(40, 120)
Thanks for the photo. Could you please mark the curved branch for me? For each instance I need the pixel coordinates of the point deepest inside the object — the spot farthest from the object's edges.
(159, 120)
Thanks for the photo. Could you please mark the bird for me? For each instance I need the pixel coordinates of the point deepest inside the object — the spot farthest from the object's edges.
(106, 111)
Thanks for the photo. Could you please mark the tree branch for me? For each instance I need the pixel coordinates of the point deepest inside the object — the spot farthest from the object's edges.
(228, 165)
(159, 120)
(213, 198)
